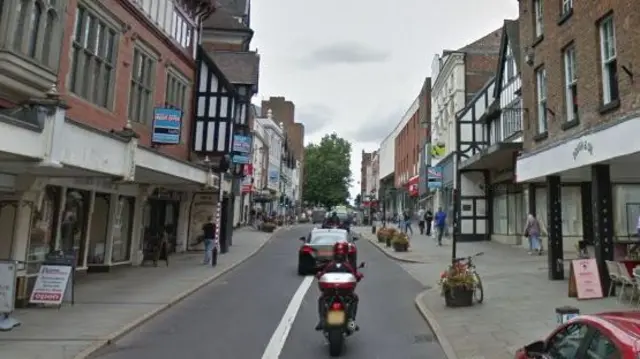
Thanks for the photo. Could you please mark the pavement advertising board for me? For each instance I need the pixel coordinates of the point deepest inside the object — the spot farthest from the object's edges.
(51, 285)
(7, 286)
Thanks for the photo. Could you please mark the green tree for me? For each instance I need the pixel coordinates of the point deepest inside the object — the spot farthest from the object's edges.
(327, 171)
(358, 201)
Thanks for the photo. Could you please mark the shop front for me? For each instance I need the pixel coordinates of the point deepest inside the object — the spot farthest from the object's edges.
(161, 215)
(603, 205)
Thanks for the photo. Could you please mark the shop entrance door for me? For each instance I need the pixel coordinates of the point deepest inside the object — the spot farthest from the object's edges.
(164, 214)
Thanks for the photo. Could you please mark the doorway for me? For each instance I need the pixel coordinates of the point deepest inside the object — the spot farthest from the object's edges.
(161, 215)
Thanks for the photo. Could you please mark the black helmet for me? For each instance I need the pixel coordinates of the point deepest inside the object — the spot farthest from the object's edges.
(334, 213)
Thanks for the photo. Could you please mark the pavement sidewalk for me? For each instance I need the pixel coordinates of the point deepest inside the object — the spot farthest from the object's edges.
(519, 300)
(110, 304)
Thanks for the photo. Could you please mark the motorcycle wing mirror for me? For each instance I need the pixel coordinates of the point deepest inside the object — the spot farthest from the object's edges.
(361, 265)
(536, 349)
(355, 238)
(303, 238)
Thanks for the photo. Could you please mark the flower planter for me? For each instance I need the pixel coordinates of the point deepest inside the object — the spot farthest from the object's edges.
(458, 297)
(381, 239)
(388, 241)
(400, 247)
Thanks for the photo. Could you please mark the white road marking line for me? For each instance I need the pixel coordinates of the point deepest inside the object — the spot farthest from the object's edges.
(279, 337)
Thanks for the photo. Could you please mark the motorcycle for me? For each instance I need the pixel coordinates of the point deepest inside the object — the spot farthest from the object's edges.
(338, 325)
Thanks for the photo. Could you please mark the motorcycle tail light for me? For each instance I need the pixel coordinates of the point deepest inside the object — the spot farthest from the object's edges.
(352, 249)
(307, 250)
(336, 306)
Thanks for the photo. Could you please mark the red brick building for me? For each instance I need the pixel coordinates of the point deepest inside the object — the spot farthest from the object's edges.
(581, 122)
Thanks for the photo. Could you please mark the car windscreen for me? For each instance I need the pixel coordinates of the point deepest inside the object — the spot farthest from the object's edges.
(326, 239)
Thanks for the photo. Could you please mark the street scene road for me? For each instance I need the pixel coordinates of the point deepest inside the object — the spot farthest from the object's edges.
(255, 311)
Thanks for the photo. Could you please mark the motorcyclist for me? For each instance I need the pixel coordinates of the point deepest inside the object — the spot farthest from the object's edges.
(339, 264)
(334, 220)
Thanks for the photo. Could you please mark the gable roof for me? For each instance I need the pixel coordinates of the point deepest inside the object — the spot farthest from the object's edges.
(510, 37)
(223, 19)
(241, 68)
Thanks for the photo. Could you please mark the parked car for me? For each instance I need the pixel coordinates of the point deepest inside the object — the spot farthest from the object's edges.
(317, 249)
(613, 335)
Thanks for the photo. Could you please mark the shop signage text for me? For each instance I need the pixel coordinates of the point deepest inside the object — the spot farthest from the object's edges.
(166, 126)
(582, 146)
(51, 285)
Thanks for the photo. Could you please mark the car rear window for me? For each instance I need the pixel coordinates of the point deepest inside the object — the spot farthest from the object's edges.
(325, 238)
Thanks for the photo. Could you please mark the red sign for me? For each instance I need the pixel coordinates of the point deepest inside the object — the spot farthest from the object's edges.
(248, 169)
(412, 186)
(247, 188)
(367, 204)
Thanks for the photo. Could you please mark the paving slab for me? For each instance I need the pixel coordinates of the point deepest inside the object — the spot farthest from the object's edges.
(109, 304)
(519, 300)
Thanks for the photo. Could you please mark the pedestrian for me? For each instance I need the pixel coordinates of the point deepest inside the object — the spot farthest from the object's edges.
(428, 218)
(406, 217)
(161, 248)
(209, 234)
(532, 230)
(440, 222)
(421, 220)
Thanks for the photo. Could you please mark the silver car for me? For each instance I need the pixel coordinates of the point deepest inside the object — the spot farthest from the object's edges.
(317, 249)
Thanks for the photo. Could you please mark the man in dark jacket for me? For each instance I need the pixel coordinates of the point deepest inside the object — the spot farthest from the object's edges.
(428, 219)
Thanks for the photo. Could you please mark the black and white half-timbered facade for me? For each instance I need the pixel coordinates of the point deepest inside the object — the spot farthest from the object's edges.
(215, 104)
(501, 126)
(472, 200)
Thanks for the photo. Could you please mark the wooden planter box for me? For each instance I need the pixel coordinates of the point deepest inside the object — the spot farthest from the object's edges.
(381, 239)
(400, 247)
(268, 229)
(388, 241)
(458, 297)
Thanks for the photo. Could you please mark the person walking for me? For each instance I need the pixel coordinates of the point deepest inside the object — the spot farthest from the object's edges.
(209, 234)
(421, 220)
(428, 218)
(440, 222)
(533, 230)
(406, 217)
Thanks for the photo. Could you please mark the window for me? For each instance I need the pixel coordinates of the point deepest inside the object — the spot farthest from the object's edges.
(602, 347)
(567, 6)
(93, 60)
(609, 61)
(141, 91)
(538, 17)
(510, 65)
(37, 24)
(181, 29)
(512, 117)
(571, 84)
(541, 93)
(176, 92)
(565, 343)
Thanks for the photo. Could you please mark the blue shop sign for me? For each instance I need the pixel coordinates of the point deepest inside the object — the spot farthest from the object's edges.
(166, 126)
(240, 159)
(241, 144)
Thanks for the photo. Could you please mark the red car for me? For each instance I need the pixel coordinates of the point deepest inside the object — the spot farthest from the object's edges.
(614, 335)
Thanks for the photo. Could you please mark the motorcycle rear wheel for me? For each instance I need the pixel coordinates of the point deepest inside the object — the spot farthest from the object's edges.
(336, 342)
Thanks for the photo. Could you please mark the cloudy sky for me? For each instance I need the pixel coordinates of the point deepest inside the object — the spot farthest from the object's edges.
(355, 66)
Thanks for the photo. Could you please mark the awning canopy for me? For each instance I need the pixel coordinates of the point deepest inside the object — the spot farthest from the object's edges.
(496, 156)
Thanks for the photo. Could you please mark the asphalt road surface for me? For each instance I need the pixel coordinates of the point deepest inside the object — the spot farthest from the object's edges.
(264, 310)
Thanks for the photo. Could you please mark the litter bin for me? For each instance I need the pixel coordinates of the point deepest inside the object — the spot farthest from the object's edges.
(566, 313)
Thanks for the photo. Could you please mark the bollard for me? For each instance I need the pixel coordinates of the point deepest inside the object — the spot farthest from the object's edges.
(373, 229)
(566, 313)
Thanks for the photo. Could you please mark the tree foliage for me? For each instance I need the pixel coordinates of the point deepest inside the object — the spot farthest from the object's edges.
(358, 201)
(327, 172)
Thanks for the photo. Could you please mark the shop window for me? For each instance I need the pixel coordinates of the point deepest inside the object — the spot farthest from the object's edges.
(73, 228)
(509, 214)
(541, 206)
(571, 211)
(8, 212)
(122, 226)
(500, 216)
(626, 209)
(43, 227)
(99, 229)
